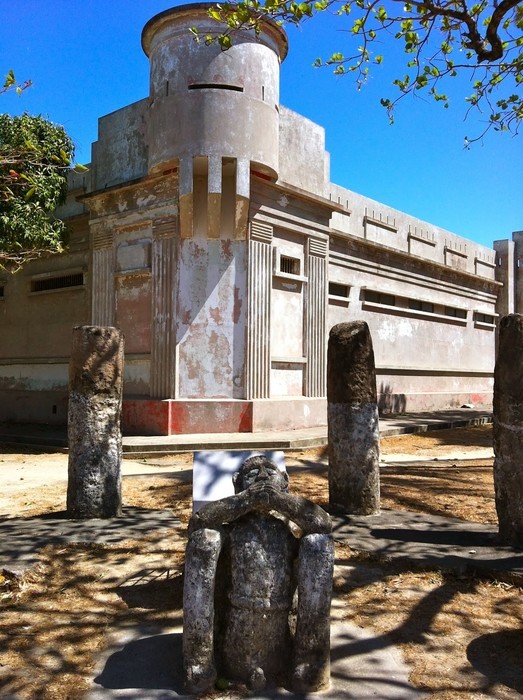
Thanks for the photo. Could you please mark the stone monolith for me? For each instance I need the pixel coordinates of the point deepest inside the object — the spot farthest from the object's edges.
(95, 441)
(353, 423)
(508, 430)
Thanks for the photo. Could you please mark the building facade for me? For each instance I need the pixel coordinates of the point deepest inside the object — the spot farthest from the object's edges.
(208, 230)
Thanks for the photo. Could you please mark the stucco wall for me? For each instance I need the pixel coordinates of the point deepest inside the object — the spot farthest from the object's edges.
(304, 162)
(120, 154)
(211, 316)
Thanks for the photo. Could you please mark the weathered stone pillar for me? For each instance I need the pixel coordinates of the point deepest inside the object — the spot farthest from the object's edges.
(353, 424)
(95, 441)
(508, 430)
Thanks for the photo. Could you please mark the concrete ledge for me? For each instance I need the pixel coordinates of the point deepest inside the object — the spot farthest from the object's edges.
(51, 437)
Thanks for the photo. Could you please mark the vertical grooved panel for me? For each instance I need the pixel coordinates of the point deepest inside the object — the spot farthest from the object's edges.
(258, 341)
(315, 327)
(103, 287)
(163, 350)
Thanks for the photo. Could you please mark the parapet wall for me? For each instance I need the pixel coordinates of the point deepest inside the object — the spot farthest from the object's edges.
(389, 228)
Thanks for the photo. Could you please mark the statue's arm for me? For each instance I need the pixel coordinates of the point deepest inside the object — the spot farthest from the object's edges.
(306, 514)
(262, 498)
(222, 512)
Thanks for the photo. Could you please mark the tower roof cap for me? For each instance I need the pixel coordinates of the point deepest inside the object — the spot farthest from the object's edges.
(269, 26)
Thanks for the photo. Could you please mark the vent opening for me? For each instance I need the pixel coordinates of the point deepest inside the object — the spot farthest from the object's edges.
(288, 265)
(48, 283)
(215, 86)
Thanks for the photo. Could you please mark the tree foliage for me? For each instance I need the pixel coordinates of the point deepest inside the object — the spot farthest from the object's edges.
(35, 156)
(11, 83)
(441, 39)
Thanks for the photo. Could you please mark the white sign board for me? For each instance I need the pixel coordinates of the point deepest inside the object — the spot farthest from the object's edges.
(213, 470)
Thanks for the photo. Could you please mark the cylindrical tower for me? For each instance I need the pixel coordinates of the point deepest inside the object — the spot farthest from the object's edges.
(206, 102)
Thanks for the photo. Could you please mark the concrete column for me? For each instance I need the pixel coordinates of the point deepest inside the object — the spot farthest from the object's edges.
(258, 364)
(95, 441)
(214, 196)
(517, 237)
(243, 193)
(316, 318)
(505, 274)
(508, 430)
(163, 340)
(186, 197)
(353, 425)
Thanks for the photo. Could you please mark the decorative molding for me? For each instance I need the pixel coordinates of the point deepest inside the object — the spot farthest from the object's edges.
(164, 228)
(421, 239)
(453, 251)
(262, 232)
(289, 360)
(102, 239)
(318, 247)
(379, 223)
(485, 263)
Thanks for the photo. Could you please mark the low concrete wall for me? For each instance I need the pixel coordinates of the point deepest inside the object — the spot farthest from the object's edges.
(171, 417)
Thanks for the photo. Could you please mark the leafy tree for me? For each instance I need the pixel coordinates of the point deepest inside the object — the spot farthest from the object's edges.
(440, 39)
(35, 156)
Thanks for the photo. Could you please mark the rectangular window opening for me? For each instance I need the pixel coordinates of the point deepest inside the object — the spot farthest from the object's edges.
(338, 290)
(1, 291)
(380, 298)
(419, 305)
(46, 284)
(480, 317)
(455, 313)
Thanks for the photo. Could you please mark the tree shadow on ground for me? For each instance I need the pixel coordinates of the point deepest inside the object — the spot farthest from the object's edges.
(471, 436)
(498, 657)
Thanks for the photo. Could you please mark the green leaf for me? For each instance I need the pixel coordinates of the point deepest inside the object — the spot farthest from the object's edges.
(225, 41)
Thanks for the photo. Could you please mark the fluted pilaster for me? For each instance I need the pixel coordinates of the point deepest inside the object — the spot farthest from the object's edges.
(259, 314)
(315, 318)
(103, 293)
(163, 346)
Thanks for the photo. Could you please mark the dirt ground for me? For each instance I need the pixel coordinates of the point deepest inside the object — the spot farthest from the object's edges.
(462, 636)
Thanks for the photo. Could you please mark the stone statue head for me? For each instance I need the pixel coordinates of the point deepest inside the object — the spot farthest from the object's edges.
(259, 468)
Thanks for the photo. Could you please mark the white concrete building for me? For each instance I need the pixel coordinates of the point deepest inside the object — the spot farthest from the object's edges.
(208, 230)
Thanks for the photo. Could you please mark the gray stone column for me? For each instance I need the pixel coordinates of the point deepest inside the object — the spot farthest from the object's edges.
(508, 430)
(95, 441)
(353, 424)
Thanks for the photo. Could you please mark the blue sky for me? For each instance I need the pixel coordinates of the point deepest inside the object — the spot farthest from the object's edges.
(85, 60)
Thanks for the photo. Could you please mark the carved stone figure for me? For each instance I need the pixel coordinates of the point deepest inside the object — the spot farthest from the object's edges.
(258, 580)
